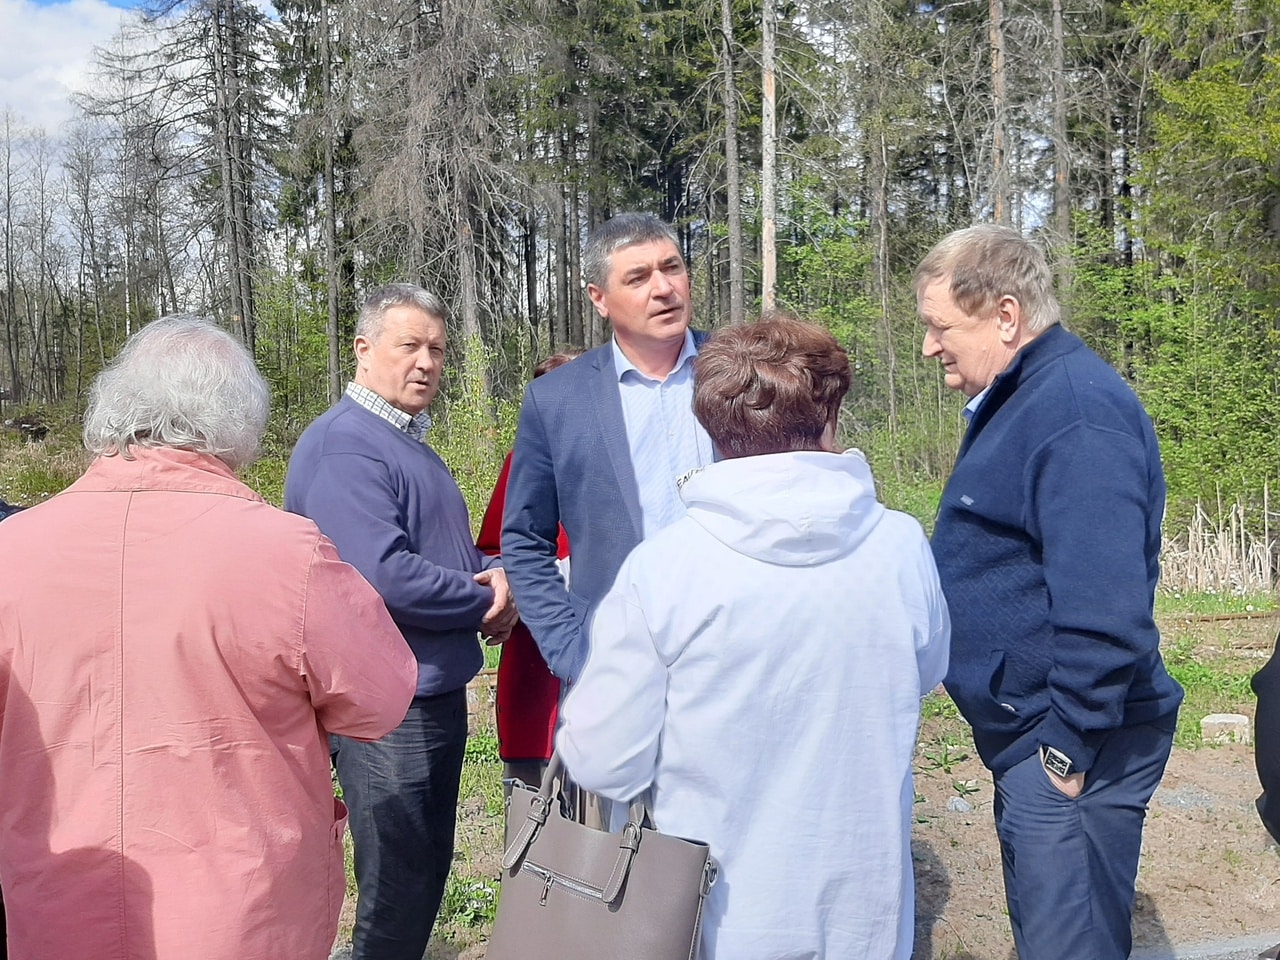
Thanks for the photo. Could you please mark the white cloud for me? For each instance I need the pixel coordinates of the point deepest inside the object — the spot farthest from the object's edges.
(45, 53)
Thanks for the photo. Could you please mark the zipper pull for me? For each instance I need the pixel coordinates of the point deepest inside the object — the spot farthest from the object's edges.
(546, 888)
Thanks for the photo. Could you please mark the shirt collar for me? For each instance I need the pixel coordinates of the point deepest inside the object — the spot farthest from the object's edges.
(414, 426)
(621, 364)
(975, 402)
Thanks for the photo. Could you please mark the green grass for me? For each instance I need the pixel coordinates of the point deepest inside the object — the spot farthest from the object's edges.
(33, 471)
(470, 897)
(1171, 603)
(1214, 677)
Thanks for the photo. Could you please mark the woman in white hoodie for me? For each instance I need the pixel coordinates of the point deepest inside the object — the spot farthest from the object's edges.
(759, 665)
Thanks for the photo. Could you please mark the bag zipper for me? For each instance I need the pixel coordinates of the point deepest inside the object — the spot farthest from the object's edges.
(550, 878)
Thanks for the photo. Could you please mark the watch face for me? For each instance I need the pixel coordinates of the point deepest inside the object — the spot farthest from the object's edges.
(1055, 761)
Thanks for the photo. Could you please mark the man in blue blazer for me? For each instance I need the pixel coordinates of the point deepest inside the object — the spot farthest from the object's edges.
(602, 440)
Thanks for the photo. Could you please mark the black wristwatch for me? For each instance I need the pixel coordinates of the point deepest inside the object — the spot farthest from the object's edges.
(1055, 761)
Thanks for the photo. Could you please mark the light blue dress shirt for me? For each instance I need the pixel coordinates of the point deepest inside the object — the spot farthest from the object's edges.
(665, 439)
(975, 402)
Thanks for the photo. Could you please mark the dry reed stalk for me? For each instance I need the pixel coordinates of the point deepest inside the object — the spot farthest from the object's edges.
(1221, 555)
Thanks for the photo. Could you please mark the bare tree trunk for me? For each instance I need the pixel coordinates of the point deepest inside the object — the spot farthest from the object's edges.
(234, 166)
(13, 329)
(530, 251)
(733, 173)
(576, 307)
(1061, 157)
(330, 211)
(769, 160)
(999, 162)
(560, 340)
(469, 306)
(879, 175)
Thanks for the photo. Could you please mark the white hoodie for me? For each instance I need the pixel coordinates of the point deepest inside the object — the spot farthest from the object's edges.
(760, 664)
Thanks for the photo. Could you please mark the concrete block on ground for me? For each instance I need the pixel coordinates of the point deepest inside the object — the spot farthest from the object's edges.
(1226, 728)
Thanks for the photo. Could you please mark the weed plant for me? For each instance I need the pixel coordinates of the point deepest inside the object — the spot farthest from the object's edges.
(31, 471)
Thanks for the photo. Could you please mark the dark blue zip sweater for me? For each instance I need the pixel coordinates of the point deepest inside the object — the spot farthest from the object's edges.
(394, 512)
(1047, 544)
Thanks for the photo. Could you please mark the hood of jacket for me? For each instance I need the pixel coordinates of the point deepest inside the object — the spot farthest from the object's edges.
(792, 509)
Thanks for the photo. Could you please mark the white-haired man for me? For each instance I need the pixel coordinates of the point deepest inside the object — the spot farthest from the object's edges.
(172, 652)
(1047, 543)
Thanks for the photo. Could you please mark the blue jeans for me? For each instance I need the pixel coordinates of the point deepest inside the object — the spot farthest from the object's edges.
(402, 793)
(1070, 865)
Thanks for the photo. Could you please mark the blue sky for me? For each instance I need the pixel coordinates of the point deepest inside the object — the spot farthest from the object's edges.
(45, 52)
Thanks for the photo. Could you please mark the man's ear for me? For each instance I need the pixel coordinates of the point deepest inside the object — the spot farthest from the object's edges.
(1009, 319)
(360, 347)
(597, 300)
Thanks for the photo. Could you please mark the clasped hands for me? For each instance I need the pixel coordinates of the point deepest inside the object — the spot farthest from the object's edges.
(502, 615)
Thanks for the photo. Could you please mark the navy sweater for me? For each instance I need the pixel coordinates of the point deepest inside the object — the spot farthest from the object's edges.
(1047, 544)
(392, 509)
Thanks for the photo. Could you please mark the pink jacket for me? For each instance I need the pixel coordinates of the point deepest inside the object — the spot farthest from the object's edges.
(172, 652)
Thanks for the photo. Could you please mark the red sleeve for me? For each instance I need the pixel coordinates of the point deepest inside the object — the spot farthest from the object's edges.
(490, 539)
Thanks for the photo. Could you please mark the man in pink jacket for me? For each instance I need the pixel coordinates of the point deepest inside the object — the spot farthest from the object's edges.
(173, 652)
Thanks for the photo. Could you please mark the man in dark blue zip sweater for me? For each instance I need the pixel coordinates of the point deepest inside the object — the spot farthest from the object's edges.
(387, 501)
(1047, 543)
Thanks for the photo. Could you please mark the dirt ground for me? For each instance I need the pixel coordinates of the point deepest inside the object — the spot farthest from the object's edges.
(1209, 871)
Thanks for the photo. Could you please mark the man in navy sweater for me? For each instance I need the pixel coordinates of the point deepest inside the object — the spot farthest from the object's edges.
(1047, 544)
(363, 473)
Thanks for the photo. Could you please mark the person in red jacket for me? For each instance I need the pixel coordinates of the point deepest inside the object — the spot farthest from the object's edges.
(528, 693)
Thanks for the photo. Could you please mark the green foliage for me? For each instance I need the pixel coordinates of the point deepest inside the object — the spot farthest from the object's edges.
(1208, 377)
(471, 891)
(1217, 126)
(482, 746)
(1201, 354)
(1198, 333)
(918, 496)
(38, 478)
(938, 706)
(265, 476)
(472, 430)
(292, 352)
(469, 901)
(824, 275)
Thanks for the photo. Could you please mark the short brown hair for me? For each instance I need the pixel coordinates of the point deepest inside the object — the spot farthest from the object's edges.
(547, 364)
(769, 387)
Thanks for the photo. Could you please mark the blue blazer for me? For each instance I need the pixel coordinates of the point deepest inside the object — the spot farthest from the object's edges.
(571, 467)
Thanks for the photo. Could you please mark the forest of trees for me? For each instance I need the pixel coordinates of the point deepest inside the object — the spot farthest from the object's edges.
(268, 168)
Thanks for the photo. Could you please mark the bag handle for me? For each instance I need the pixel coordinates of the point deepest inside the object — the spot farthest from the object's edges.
(540, 809)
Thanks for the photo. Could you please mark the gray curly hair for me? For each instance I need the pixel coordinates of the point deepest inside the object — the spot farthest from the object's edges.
(180, 382)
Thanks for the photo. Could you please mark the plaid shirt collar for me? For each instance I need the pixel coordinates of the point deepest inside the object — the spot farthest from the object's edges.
(415, 427)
